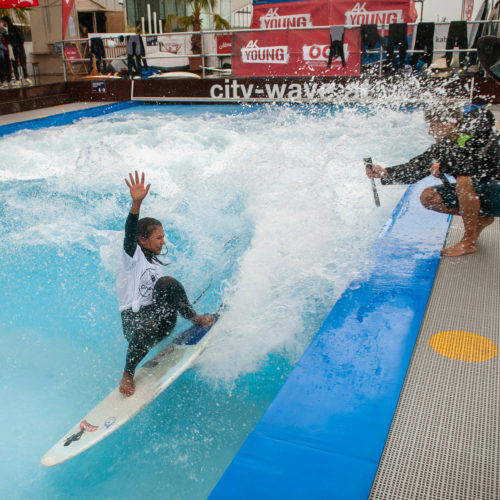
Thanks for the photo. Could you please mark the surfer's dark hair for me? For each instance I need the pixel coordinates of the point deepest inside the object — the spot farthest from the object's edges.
(145, 228)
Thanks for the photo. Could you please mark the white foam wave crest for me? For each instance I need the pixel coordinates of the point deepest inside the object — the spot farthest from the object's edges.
(274, 205)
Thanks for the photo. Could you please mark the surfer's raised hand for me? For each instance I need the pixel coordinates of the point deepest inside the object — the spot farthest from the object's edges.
(137, 190)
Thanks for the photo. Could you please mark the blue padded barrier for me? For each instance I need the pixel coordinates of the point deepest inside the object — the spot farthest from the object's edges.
(64, 118)
(323, 435)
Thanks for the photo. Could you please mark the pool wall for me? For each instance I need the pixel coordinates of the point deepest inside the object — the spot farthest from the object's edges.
(324, 433)
(341, 90)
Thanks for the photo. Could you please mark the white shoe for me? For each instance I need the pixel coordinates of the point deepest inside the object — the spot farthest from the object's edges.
(27, 81)
(4, 85)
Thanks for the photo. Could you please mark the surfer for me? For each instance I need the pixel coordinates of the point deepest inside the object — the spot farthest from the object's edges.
(148, 302)
(466, 148)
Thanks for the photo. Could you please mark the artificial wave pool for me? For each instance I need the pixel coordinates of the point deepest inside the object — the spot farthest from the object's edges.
(267, 208)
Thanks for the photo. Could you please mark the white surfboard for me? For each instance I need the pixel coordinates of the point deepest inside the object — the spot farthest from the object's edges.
(150, 381)
(175, 74)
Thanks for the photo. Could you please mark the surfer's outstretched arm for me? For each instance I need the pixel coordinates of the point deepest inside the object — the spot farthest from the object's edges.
(137, 191)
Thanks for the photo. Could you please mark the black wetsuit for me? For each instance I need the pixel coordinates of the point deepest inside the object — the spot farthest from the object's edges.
(152, 323)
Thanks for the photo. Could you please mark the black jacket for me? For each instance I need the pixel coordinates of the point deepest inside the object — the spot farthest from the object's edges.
(475, 156)
(15, 36)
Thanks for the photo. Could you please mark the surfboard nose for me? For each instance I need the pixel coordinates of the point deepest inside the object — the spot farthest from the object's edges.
(48, 461)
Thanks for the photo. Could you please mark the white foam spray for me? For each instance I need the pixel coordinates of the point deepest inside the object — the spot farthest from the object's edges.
(283, 189)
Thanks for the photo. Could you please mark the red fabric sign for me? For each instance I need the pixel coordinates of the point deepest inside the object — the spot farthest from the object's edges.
(312, 50)
(71, 53)
(15, 4)
(294, 53)
(224, 44)
(332, 12)
(291, 15)
(305, 52)
(467, 9)
(67, 5)
(256, 54)
(354, 13)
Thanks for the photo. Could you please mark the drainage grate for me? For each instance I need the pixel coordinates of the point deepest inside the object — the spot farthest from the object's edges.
(444, 439)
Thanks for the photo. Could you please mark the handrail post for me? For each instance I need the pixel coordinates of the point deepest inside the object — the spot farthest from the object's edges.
(202, 56)
(380, 59)
(64, 63)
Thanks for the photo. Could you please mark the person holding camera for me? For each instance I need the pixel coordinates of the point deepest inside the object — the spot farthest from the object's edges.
(467, 149)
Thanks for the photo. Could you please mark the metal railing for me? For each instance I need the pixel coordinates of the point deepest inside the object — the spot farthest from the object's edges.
(208, 37)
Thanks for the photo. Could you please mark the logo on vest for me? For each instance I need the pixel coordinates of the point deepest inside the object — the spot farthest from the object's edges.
(359, 15)
(252, 53)
(273, 20)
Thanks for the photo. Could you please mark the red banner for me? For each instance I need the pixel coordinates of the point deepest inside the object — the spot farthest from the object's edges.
(294, 53)
(313, 49)
(67, 5)
(352, 13)
(224, 44)
(291, 15)
(332, 12)
(15, 4)
(305, 52)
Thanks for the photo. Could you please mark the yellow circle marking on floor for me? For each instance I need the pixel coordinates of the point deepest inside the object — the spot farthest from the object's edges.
(463, 346)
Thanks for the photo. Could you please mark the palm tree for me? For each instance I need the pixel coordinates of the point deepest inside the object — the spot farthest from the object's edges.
(17, 15)
(194, 21)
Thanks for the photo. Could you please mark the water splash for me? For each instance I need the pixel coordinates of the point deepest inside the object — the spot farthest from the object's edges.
(269, 205)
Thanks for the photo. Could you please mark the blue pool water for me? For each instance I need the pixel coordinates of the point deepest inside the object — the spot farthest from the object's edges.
(268, 207)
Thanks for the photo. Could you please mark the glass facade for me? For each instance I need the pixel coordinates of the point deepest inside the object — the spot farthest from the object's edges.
(138, 8)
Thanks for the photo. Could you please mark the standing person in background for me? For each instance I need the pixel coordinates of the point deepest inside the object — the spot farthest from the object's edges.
(4, 59)
(15, 38)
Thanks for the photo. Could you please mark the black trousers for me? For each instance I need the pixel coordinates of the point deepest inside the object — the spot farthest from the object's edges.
(5, 73)
(397, 39)
(19, 56)
(151, 324)
(134, 64)
(369, 38)
(457, 36)
(424, 42)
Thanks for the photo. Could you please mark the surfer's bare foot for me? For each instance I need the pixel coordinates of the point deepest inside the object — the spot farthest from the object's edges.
(127, 387)
(463, 247)
(205, 320)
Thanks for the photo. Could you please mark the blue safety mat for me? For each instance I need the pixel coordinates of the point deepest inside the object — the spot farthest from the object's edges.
(323, 435)
(63, 118)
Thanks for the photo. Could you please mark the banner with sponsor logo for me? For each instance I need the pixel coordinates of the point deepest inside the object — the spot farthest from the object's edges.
(224, 44)
(15, 4)
(299, 14)
(302, 13)
(306, 52)
(294, 53)
(257, 54)
(353, 13)
(312, 51)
